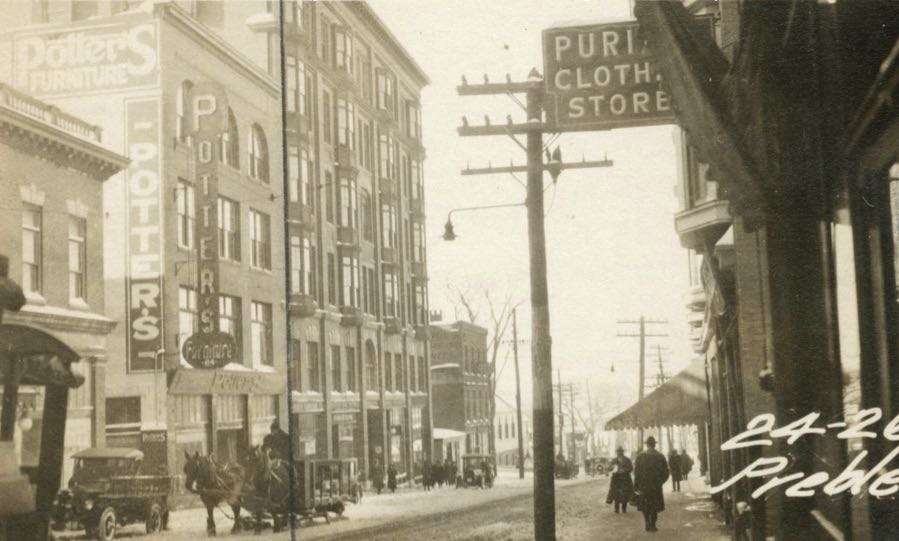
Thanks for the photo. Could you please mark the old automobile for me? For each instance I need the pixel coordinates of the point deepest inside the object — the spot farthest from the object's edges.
(108, 490)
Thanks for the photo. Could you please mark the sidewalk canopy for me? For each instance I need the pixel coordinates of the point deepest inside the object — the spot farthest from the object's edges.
(682, 400)
(40, 358)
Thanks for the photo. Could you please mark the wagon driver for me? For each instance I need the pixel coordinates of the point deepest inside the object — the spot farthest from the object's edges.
(277, 441)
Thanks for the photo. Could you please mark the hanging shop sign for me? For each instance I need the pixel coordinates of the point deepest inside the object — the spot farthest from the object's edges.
(208, 347)
(87, 58)
(144, 259)
(604, 76)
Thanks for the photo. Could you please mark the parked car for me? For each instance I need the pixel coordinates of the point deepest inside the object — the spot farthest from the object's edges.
(478, 471)
(107, 490)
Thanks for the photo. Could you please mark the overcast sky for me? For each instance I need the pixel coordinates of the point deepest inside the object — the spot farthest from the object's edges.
(611, 247)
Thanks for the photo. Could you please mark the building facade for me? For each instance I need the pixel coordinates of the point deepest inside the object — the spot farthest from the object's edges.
(351, 248)
(460, 384)
(507, 429)
(52, 169)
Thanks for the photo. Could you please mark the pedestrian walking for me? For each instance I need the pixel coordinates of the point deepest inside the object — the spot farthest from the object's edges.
(377, 477)
(650, 474)
(686, 464)
(674, 466)
(391, 478)
(621, 486)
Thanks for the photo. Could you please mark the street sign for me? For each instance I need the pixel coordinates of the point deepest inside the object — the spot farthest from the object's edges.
(604, 76)
(209, 349)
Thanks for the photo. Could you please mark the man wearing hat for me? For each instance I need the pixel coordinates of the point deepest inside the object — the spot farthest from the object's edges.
(650, 473)
(277, 441)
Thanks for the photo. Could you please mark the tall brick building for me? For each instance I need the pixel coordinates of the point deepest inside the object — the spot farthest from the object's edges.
(354, 234)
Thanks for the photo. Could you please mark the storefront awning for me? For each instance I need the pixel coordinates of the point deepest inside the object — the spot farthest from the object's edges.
(196, 381)
(40, 358)
(682, 400)
(448, 434)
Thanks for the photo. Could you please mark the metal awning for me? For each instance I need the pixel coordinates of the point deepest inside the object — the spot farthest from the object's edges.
(40, 358)
(448, 434)
(682, 400)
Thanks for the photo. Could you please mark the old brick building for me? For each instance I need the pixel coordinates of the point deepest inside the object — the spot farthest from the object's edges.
(52, 169)
(460, 382)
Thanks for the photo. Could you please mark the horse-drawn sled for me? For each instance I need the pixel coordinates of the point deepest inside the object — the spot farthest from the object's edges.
(261, 488)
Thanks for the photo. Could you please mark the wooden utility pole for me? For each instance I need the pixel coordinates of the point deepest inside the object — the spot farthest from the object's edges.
(541, 344)
(518, 395)
(561, 415)
(642, 335)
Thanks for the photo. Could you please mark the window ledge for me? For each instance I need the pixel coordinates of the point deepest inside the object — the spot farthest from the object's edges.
(79, 304)
(33, 297)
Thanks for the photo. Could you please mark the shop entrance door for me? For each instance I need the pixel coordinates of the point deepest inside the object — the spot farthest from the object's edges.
(231, 445)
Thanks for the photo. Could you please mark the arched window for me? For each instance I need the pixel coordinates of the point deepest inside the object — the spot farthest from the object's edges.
(229, 143)
(366, 218)
(258, 152)
(182, 111)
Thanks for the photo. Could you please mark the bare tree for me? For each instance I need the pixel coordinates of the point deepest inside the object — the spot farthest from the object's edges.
(500, 318)
(464, 298)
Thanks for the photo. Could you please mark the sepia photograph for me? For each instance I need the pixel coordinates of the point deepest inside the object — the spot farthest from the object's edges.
(498, 270)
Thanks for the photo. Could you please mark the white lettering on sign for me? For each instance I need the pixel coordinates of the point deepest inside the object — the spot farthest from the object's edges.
(603, 76)
(144, 246)
(87, 59)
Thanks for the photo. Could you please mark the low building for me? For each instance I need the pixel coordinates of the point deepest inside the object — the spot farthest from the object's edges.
(460, 382)
(507, 433)
(52, 170)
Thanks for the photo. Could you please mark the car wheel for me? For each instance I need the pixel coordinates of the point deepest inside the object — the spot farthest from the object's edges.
(154, 518)
(107, 524)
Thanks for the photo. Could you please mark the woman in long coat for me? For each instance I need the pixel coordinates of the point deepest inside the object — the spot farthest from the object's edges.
(621, 488)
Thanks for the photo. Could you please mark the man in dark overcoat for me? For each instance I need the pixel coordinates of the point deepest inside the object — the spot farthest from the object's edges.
(277, 441)
(621, 487)
(676, 468)
(650, 473)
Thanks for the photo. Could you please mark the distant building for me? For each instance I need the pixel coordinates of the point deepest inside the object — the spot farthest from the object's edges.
(460, 384)
(506, 422)
(52, 169)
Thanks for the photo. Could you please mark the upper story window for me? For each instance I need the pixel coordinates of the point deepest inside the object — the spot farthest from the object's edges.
(260, 240)
(230, 320)
(696, 174)
(418, 242)
(413, 120)
(229, 143)
(258, 153)
(296, 266)
(77, 258)
(346, 120)
(312, 368)
(299, 172)
(186, 214)
(350, 281)
(347, 202)
(296, 85)
(415, 179)
(366, 217)
(187, 315)
(325, 42)
(182, 111)
(336, 371)
(32, 249)
(387, 164)
(229, 229)
(385, 91)
(326, 117)
(390, 303)
(364, 71)
(367, 146)
(293, 12)
(343, 50)
(389, 232)
(261, 333)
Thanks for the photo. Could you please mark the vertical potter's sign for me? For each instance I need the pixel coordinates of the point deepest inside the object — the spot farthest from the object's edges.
(604, 76)
(208, 347)
(144, 261)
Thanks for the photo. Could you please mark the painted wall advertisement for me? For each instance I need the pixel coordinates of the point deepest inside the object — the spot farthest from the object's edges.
(83, 59)
(145, 258)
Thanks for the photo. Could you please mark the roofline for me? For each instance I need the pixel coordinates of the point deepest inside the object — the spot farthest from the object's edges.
(115, 162)
(205, 33)
(366, 12)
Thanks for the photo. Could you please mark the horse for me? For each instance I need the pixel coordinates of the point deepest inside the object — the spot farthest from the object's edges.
(214, 483)
(271, 484)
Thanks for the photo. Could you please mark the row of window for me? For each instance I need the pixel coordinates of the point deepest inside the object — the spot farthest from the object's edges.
(505, 429)
(231, 322)
(33, 265)
(307, 370)
(473, 360)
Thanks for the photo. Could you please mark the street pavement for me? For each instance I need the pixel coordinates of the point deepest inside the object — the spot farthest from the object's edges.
(502, 513)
